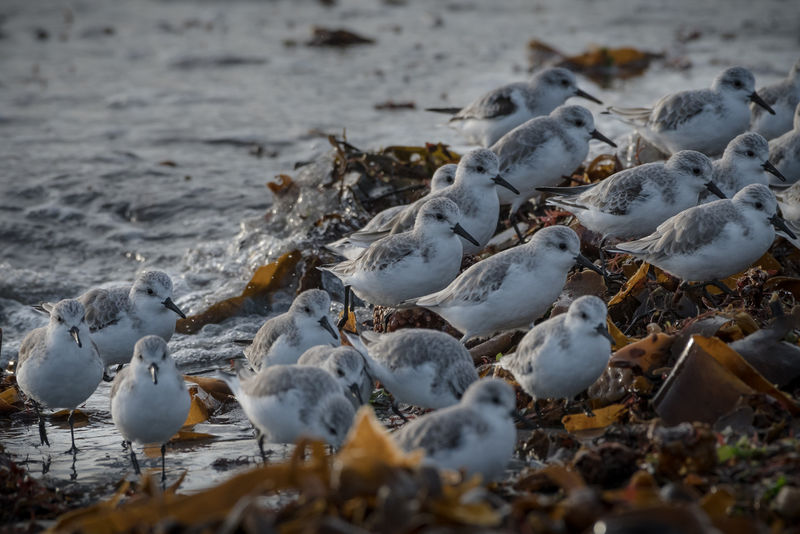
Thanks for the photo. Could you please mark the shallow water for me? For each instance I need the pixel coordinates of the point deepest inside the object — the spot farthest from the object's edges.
(141, 134)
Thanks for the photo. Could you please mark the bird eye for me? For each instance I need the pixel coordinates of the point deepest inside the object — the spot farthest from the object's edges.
(481, 169)
(307, 309)
(579, 123)
(759, 205)
(696, 171)
(564, 83)
(495, 400)
(339, 372)
(439, 217)
(59, 319)
(737, 84)
(584, 316)
(562, 246)
(150, 291)
(141, 357)
(163, 355)
(332, 430)
(750, 154)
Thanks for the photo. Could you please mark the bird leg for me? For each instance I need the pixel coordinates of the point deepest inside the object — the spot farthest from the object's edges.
(163, 464)
(397, 412)
(71, 419)
(134, 461)
(346, 309)
(42, 430)
(514, 219)
(260, 441)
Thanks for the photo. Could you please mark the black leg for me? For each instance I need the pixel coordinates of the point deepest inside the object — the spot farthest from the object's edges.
(397, 412)
(513, 219)
(587, 410)
(107, 378)
(163, 464)
(134, 461)
(260, 440)
(71, 420)
(346, 308)
(119, 368)
(42, 430)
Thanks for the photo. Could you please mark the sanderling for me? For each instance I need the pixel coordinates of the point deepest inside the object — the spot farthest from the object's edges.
(58, 365)
(409, 264)
(283, 338)
(784, 151)
(477, 435)
(564, 355)
(351, 247)
(544, 150)
(287, 402)
(783, 97)
(149, 399)
(632, 203)
(347, 365)
(511, 289)
(475, 193)
(501, 110)
(715, 240)
(744, 162)
(700, 119)
(418, 366)
(119, 317)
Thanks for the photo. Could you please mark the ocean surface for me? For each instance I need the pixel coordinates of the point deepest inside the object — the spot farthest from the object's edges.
(142, 134)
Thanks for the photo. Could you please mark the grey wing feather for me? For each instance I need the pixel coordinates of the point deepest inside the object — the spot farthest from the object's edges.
(496, 103)
(119, 378)
(615, 195)
(674, 110)
(684, 232)
(279, 379)
(520, 144)
(104, 306)
(35, 340)
(269, 332)
(473, 285)
(536, 340)
(379, 255)
(771, 94)
(441, 431)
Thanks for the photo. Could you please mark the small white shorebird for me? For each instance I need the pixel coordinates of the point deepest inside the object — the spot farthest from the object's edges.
(564, 355)
(784, 151)
(715, 240)
(543, 150)
(699, 119)
(347, 365)
(632, 203)
(287, 402)
(149, 399)
(511, 289)
(475, 193)
(477, 435)
(409, 264)
(499, 111)
(351, 248)
(283, 338)
(58, 365)
(119, 317)
(783, 97)
(744, 162)
(418, 366)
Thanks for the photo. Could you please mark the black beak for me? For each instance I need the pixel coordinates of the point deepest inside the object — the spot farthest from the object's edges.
(770, 168)
(499, 180)
(459, 230)
(583, 94)
(154, 372)
(760, 101)
(711, 186)
(583, 261)
(326, 324)
(74, 333)
(172, 306)
(602, 329)
(356, 393)
(780, 224)
(600, 137)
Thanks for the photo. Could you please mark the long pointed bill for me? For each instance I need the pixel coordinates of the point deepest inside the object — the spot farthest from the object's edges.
(74, 333)
(583, 261)
(172, 306)
(770, 168)
(326, 324)
(499, 180)
(711, 186)
(583, 94)
(459, 230)
(760, 102)
(356, 393)
(154, 372)
(600, 137)
(780, 224)
(602, 329)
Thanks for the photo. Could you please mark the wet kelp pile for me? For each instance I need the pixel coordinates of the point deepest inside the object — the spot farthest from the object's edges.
(692, 428)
